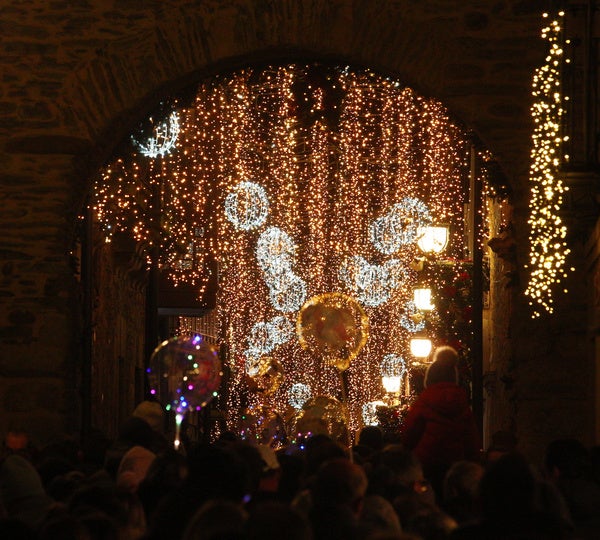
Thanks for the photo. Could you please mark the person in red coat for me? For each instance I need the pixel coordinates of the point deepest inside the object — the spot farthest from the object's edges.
(440, 427)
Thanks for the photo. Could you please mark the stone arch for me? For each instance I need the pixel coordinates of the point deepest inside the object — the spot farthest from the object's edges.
(121, 80)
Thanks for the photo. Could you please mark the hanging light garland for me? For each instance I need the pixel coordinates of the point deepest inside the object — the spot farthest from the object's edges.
(335, 150)
(547, 237)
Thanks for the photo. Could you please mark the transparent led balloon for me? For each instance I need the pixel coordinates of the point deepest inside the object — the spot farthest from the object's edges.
(184, 373)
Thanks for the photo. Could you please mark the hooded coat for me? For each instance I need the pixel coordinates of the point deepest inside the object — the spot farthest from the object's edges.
(440, 428)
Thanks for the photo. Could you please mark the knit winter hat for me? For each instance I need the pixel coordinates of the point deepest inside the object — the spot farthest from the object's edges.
(133, 467)
(152, 412)
(443, 367)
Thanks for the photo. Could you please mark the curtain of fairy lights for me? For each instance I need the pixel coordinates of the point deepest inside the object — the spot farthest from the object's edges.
(298, 177)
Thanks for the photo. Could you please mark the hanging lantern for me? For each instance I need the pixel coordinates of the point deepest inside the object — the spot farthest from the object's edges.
(432, 239)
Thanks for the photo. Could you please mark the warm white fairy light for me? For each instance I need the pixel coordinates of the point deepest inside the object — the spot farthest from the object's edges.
(163, 139)
(247, 206)
(333, 149)
(547, 237)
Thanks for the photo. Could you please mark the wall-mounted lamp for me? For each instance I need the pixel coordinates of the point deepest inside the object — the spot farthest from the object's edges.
(420, 347)
(432, 239)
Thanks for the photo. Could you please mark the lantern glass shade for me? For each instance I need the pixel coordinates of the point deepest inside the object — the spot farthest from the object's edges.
(422, 299)
(420, 347)
(432, 239)
(391, 384)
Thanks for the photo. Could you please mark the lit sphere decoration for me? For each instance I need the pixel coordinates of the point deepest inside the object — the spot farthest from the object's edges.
(291, 297)
(275, 251)
(299, 394)
(412, 319)
(184, 373)
(265, 336)
(333, 326)
(372, 284)
(247, 206)
(164, 138)
(393, 365)
(399, 227)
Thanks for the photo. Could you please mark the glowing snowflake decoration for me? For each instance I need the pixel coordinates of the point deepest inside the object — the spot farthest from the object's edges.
(412, 319)
(393, 365)
(369, 412)
(247, 206)
(299, 394)
(163, 140)
(291, 297)
(399, 226)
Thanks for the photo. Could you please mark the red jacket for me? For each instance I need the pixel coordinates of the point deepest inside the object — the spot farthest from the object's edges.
(440, 427)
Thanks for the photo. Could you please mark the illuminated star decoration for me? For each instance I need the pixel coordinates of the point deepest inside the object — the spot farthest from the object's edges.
(412, 319)
(247, 206)
(399, 226)
(372, 284)
(299, 394)
(163, 140)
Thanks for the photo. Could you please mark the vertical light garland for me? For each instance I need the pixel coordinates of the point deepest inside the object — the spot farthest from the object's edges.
(333, 150)
(547, 237)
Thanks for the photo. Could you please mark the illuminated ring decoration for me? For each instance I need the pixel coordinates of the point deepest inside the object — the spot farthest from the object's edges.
(247, 206)
(299, 394)
(410, 318)
(282, 329)
(164, 139)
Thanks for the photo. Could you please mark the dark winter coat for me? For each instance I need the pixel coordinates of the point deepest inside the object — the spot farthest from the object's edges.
(440, 428)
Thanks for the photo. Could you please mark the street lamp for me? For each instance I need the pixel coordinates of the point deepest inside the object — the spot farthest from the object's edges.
(422, 298)
(420, 346)
(432, 239)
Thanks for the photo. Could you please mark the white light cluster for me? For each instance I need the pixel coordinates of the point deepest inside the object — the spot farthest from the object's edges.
(372, 284)
(264, 337)
(299, 394)
(412, 319)
(369, 412)
(393, 365)
(164, 138)
(275, 252)
(399, 227)
(247, 206)
(548, 247)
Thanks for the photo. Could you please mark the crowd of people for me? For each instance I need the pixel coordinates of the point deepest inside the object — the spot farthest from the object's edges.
(429, 481)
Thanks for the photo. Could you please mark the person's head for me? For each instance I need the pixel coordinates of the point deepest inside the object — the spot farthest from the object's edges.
(372, 437)
(152, 413)
(339, 482)
(216, 519)
(272, 520)
(443, 367)
(567, 458)
(461, 489)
